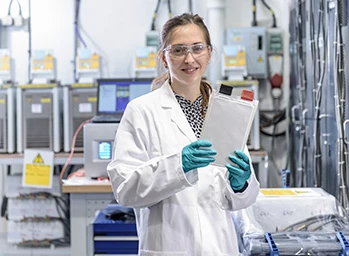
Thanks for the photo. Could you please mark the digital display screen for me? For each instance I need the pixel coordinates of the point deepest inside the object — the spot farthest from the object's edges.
(114, 95)
(104, 150)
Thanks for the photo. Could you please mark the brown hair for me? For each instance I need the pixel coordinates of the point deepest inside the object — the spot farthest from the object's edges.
(165, 36)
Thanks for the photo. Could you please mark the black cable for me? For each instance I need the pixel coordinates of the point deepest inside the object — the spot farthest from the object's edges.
(154, 15)
(254, 9)
(169, 8)
(19, 8)
(272, 13)
(273, 134)
(277, 118)
(4, 206)
(9, 8)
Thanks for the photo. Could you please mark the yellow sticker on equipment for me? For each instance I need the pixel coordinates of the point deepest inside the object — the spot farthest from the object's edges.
(278, 192)
(37, 175)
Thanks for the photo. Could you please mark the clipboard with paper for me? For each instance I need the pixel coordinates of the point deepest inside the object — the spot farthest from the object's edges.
(228, 122)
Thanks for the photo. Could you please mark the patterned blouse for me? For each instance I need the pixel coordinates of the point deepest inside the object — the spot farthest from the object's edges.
(192, 112)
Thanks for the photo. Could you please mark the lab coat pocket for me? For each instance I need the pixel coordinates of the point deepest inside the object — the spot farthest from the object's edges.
(153, 253)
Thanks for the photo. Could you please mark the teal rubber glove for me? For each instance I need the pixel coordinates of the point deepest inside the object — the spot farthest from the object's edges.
(238, 175)
(197, 154)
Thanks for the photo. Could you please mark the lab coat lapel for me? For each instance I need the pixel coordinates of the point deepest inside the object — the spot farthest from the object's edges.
(169, 103)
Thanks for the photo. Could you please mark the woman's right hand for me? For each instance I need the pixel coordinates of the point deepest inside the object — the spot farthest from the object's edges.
(197, 154)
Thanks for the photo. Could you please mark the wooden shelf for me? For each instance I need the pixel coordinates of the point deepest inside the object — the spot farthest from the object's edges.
(103, 187)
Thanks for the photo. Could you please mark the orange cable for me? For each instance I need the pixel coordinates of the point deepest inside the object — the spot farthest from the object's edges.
(72, 150)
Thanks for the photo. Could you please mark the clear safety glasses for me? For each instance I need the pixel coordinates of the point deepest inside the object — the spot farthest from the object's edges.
(180, 51)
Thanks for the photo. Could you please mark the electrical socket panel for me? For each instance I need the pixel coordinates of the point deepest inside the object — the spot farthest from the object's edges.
(19, 232)
(14, 187)
(275, 45)
(253, 39)
(19, 208)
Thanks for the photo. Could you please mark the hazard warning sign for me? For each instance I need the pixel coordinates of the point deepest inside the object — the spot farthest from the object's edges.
(37, 168)
(38, 159)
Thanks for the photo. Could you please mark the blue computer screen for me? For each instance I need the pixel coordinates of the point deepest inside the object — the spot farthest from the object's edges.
(114, 95)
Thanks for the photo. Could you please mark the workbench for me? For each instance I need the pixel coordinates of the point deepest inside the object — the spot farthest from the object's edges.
(86, 198)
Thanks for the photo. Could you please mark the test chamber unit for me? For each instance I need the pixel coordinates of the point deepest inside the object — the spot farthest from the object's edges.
(145, 62)
(80, 103)
(98, 148)
(253, 39)
(253, 142)
(7, 119)
(39, 117)
(299, 221)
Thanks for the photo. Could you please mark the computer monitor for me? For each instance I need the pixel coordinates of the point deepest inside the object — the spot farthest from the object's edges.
(114, 94)
(112, 98)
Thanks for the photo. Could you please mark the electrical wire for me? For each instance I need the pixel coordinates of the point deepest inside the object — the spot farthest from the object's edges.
(273, 122)
(169, 8)
(9, 8)
(62, 206)
(254, 9)
(157, 10)
(301, 86)
(29, 41)
(325, 219)
(272, 13)
(76, 23)
(276, 119)
(19, 8)
(343, 197)
(155, 15)
(321, 64)
(312, 170)
(344, 22)
(73, 149)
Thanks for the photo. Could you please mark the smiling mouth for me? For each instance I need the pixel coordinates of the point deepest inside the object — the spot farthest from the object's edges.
(189, 69)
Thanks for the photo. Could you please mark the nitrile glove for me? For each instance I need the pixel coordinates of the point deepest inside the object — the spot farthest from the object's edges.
(197, 154)
(238, 175)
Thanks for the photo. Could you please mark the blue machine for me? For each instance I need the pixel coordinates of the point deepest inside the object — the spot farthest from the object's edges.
(114, 231)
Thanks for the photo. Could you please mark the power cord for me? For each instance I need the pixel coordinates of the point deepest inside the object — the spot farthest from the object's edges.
(16, 21)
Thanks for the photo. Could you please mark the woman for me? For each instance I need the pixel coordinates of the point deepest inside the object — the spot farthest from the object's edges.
(162, 169)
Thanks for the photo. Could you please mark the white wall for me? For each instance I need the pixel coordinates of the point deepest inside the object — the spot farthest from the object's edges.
(114, 28)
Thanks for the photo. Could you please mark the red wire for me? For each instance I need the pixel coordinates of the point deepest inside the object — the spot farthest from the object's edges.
(73, 149)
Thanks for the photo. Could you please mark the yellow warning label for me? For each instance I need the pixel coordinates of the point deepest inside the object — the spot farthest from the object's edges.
(37, 175)
(260, 59)
(38, 159)
(278, 192)
(45, 100)
(92, 99)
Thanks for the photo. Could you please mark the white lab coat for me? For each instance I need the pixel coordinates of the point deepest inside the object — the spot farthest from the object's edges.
(177, 214)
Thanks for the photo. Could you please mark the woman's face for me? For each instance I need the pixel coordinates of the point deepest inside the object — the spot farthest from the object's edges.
(187, 68)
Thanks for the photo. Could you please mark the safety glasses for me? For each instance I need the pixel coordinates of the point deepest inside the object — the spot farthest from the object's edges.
(178, 51)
